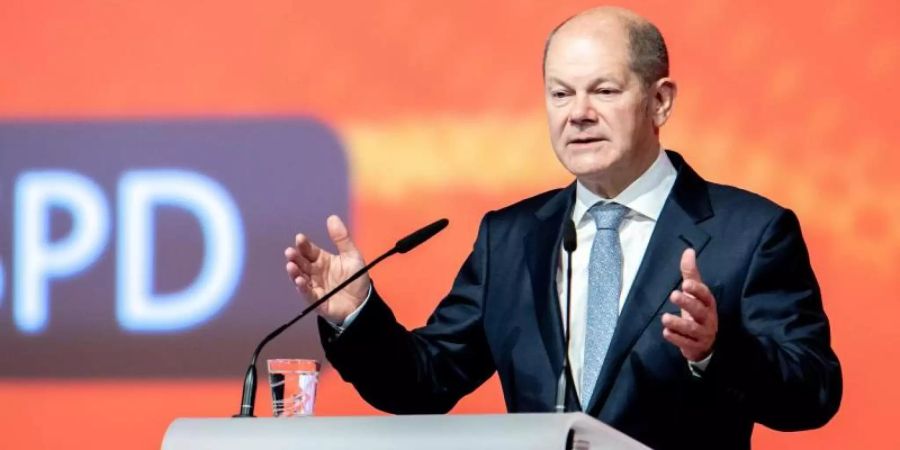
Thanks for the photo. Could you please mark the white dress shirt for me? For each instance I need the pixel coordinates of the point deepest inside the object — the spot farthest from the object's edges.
(644, 198)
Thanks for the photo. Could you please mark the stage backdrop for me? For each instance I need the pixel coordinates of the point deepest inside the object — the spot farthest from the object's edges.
(157, 156)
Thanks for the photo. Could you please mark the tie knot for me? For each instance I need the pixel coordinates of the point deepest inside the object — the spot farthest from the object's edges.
(608, 216)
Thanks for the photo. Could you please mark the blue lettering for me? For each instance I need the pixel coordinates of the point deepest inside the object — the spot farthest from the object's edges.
(137, 308)
(36, 260)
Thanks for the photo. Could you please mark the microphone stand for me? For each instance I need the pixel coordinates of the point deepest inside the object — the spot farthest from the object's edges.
(248, 396)
(570, 241)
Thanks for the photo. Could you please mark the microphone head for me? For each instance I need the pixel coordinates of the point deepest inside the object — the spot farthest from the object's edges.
(417, 237)
(570, 239)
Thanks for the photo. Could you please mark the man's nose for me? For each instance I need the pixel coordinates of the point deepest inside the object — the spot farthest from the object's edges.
(583, 111)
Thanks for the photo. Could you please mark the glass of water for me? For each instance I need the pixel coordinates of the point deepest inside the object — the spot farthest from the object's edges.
(293, 383)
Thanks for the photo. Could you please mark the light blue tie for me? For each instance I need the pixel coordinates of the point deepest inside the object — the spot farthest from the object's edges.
(604, 286)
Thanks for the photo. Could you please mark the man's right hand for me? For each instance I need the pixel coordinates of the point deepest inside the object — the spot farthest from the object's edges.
(315, 272)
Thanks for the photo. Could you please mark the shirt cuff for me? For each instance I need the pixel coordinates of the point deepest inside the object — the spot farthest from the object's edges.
(697, 368)
(340, 327)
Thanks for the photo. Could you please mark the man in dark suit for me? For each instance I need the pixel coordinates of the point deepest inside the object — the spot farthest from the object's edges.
(694, 310)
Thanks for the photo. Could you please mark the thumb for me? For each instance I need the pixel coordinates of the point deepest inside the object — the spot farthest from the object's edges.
(689, 270)
(338, 233)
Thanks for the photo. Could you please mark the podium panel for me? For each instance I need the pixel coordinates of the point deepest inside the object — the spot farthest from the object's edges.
(575, 431)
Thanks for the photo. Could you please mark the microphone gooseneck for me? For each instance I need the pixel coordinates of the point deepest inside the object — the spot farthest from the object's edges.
(570, 242)
(413, 240)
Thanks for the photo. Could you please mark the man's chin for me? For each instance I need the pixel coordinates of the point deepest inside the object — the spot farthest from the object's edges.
(590, 167)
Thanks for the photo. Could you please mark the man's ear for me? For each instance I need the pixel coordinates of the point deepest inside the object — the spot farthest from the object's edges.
(664, 92)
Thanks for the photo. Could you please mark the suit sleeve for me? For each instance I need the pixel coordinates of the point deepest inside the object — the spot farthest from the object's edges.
(779, 363)
(426, 370)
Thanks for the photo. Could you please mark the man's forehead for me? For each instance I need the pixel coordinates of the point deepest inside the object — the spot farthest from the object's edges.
(586, 49)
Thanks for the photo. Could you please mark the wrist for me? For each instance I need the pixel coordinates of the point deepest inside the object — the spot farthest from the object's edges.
(346, 311)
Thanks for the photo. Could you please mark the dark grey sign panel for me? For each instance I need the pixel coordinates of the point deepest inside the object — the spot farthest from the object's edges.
(153, 248)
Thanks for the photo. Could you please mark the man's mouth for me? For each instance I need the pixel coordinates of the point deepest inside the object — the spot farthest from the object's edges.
(585, 140)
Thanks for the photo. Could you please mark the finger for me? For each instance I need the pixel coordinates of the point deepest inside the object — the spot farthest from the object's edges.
(690, 349)
(683, 342)
(700, 291)
(306, 247)
(338, 233)
(695, 309)
(293, 270)
(292, 254)
(303, 287)
(299, 279)
(689, 270)
(682, 326)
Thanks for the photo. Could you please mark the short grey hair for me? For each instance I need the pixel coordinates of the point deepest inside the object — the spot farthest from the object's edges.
(649, 57)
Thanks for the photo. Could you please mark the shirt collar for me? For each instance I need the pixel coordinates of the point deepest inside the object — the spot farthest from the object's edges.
(645, 196)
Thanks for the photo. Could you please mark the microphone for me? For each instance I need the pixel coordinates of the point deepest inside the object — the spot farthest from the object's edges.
(570, 238)
(248, 396)
(570, 241)
(417, 237)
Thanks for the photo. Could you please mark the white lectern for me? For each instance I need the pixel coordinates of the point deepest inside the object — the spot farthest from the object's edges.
(575, 431)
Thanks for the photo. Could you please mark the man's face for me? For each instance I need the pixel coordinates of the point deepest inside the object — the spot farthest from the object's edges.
(597, 107)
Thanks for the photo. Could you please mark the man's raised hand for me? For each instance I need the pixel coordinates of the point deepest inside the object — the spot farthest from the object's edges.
(694, 332)
(315, 271)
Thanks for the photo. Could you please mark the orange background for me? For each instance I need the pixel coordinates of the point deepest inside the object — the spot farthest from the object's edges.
(440, 108)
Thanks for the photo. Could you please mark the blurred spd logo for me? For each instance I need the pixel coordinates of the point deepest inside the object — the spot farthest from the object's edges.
(153, 248)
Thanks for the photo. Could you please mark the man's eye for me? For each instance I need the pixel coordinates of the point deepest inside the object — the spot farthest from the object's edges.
(606, 91)
(558, 94)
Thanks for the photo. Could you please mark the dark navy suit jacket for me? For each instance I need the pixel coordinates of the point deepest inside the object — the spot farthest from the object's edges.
(773, 363)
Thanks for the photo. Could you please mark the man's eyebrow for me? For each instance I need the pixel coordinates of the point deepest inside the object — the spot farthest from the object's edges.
(594, 82)
(557, 81)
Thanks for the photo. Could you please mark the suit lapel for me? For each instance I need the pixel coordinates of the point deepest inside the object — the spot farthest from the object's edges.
(659, 274)
(542, 244)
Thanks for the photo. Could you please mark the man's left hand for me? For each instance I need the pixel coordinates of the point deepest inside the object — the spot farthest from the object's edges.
(694, 332)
